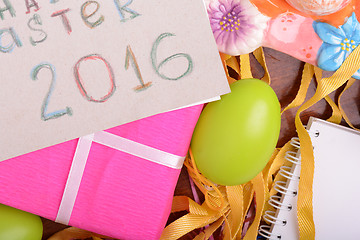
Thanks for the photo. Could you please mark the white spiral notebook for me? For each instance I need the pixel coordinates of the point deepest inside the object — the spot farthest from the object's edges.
(336, 189)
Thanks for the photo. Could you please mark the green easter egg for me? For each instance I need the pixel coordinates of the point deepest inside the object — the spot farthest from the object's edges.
(236, 136)
(19, 225)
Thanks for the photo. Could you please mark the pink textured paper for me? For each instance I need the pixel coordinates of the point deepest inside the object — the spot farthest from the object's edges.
(120, 195)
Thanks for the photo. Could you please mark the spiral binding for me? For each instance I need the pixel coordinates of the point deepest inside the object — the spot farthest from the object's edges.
(281, 187)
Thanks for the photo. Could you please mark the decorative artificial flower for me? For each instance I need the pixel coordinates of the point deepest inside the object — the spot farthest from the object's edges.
(338, 43)
(237, 25)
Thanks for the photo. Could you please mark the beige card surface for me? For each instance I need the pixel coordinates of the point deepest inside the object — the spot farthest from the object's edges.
(71, 68)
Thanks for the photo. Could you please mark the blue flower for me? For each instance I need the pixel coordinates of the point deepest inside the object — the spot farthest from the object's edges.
(338, 43)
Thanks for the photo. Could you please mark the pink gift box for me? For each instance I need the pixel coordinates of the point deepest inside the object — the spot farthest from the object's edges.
(121, 195)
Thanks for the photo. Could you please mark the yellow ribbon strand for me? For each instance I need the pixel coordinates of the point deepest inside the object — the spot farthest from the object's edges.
(268, 171)
(307, 75)
(248, 200)
(260, 57)
(258, 183)
(245, 70)
(180, 203)
(248, 197)
(346, 118)
(224, 56)
(305, 208)
(325, 87)
(278, 162)
(336, 114)
(233, 63)
(213, 198)
(199, 216)
(234, 194)
(208, 232)
(224, 60)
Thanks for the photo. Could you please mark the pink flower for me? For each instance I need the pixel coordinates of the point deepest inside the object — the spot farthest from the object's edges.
(237, 25)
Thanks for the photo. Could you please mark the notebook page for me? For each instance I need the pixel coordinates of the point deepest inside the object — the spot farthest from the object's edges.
(336, 178)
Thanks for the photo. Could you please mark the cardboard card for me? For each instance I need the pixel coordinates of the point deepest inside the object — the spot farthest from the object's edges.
(71, 68)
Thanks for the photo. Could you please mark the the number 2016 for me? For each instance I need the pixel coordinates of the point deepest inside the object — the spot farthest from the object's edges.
(129, 58)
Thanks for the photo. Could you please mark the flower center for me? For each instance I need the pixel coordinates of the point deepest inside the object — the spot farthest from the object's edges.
(230, 22)
(348, 45)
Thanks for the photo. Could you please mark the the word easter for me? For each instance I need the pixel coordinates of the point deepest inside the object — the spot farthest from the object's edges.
(124, 10)
(40, 35)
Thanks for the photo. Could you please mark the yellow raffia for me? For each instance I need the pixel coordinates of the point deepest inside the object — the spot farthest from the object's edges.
(225, 206)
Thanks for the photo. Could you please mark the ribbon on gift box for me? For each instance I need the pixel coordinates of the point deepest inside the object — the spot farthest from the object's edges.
(113, 141)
